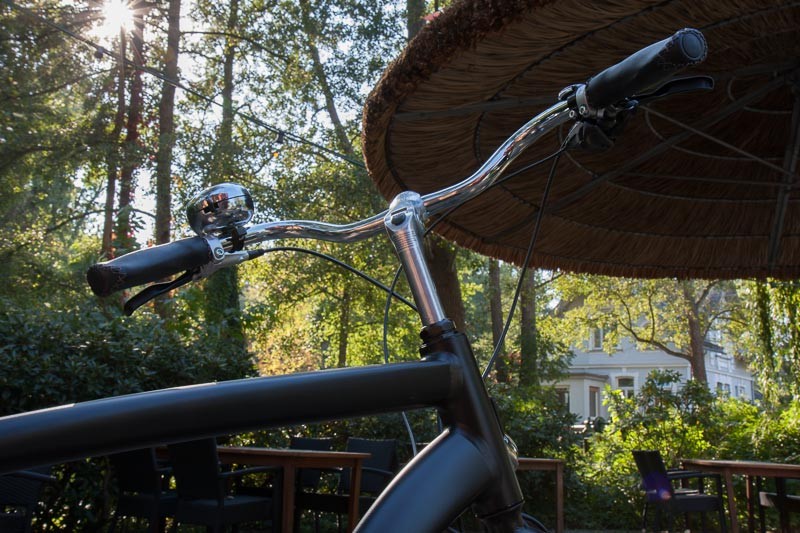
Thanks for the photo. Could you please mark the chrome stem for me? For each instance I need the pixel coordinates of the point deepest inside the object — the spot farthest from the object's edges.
(404, 224)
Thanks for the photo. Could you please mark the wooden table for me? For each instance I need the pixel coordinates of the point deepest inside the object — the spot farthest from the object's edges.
(290, 461)
(745, 468)
(549, 465)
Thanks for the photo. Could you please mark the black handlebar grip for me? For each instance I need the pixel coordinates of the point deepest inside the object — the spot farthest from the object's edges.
(646, 68)
(148, 264)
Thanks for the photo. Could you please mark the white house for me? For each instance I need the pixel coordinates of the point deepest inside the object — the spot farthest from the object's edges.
(626, 369)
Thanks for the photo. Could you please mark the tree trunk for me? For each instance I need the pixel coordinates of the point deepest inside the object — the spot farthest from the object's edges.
(529, 346)
(496, 313)
(344, 326)
(130, 161)
(441, 258)
(166, 131)
(112, 160)
(166, 137)
(765, 323)
(322, 80)
(222, 289)
(697, 354)
(415, 10)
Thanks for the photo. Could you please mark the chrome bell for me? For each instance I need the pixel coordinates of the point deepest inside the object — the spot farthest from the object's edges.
(219, 209)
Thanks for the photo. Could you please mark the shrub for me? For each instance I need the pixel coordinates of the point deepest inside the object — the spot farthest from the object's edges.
(58, 356)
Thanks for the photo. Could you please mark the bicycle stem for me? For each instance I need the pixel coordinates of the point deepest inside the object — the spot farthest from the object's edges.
(404, 222)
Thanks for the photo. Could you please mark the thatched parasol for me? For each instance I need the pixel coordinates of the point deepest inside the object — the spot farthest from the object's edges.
(699, 185)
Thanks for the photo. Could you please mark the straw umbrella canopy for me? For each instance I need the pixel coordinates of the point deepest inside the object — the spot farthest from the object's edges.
(698, 185)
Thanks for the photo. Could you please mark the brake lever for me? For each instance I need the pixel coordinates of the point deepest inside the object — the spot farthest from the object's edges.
(677, 86)
(157, 289)
(599, 134)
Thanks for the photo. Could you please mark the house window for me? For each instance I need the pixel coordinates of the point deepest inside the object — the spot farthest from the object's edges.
(625, 384)
(563, 397)
(723, 389)
(596, 339)
(594, 401)
(741, 391)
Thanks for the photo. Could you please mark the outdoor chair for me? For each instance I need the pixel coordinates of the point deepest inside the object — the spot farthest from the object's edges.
(205, 495)
(19, 497)
(789, 503)
(143, 488)
(668, 500)
(377, 472)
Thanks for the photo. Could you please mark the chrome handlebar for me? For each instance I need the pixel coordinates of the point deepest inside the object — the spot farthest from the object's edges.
(435, 202)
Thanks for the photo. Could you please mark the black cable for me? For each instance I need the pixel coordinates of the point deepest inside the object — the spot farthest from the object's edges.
(282, 134)
(345, 266)
(403, 414)
(498, 182)
(527, 259)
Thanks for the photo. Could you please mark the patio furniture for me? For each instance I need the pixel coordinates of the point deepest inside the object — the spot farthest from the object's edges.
(292, 460)
(143, 488)
(204, 489)
(378, 470)
(780, 500)
(657, 482)
(308, 478)
(19, 497)
(750, 469)
(548, 465)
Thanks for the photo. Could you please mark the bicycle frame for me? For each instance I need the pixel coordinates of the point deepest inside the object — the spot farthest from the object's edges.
(468, 464)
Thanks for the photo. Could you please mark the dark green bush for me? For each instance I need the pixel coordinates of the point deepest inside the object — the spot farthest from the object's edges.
(51, 357)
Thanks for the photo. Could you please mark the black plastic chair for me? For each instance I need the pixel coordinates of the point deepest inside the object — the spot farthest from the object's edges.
(142, 485)
(204, 490)
(377, 472)
(781, 501)
(19, 497)
(657, 482)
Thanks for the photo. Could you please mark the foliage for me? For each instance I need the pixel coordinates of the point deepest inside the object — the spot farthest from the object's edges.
(768, 330)
(58, 356)
(670, 315)
(305, 67)
(660, 417)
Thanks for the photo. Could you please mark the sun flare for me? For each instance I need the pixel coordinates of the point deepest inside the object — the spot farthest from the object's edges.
(117, 15)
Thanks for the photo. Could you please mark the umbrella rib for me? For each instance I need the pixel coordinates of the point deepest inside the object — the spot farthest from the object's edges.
(649, 154)
(790, 164)
(664, 146)
(720, 142)
(488, 105)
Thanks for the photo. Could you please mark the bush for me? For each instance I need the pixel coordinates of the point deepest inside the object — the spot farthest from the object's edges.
(660, 417)
(60, 356)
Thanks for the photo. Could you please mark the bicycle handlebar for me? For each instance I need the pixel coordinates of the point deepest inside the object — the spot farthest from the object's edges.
(640, 71)
(148, 264)
(152, 264)
(646, 68)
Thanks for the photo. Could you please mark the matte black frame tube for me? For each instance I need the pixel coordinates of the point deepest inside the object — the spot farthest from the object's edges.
(109, 425)
(434, 489)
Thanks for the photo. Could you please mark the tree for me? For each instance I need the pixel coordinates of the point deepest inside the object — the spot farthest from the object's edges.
(51, 122)
(132, 154)
(494, 292)
(767, 333)
(670, 315)
(166, 126)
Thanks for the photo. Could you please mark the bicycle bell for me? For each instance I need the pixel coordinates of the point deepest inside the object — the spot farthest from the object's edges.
(220, 208)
